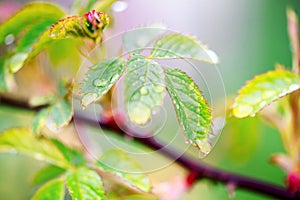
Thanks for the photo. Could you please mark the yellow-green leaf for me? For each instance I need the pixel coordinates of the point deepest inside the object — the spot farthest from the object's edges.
(53, 190)
(144, 88)
(61, 113)
(100, 78)
(192, 110)
(24, 141)
(117, 162)
(31, 14)
(263, 90)
(39, 120)
(6, 79)
(184, 47)
(47, 173)
(26, 43)
(85, 184)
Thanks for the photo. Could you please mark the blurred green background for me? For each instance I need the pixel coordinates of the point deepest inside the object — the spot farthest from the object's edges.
(249, 36)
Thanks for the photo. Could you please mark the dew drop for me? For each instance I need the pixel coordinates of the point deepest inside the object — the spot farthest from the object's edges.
(114, 78)
(269, 94)
(262, 104)
(88, 98)
(138, 112)
(293, 87)
(159, 88)
(242, 110)
(17, 61)
(213, 56)
(9, 39)
(252, 98)
(205, 147)
(144, 91)
(100, 82)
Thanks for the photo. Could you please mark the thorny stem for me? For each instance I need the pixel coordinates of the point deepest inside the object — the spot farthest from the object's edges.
(199, 169)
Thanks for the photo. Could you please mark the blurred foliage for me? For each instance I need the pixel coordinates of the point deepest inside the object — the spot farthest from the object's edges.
(240, 149)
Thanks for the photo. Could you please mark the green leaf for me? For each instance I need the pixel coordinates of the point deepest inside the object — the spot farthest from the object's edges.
(6, 79)
(36, 101)
(183, 46)
(24, 141)
(263, 90)
(47, 173)
(192, 110)
(85, 184)
(31, 14)
(61, 113)
(117, 162)
(100, 78)
(53, 190)
(39, 120)
(25, 44)
(144, 88)
(136, 40)
(73, 156)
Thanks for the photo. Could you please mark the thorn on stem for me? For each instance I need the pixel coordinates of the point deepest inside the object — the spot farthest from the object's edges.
(231, 186)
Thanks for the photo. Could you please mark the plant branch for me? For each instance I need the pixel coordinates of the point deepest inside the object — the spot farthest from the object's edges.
(202, 170)
(294, 43)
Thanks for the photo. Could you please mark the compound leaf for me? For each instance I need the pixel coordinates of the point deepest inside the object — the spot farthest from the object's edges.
(100, 78)
(117, 162)
(263, 90)
(192, 110)
(182, 46)
(84, 184)
(144, 88)
(53, 190)
(22, 140)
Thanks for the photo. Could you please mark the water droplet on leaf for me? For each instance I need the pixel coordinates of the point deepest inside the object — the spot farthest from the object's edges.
(205, 147)
(252, 98)
(269, 94)
(144, 91)
(262, 104)
(88, 98)
(138, 112)
(293, 87)
(114, 78)
(9, 39)
(242, 110)
(17, 61)
(159, 88)
(100, 82)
